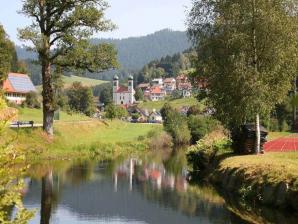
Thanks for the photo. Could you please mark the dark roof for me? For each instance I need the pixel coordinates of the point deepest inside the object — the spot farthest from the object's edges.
(18, 83)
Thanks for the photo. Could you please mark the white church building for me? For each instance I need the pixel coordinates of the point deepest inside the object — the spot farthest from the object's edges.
(123, 95)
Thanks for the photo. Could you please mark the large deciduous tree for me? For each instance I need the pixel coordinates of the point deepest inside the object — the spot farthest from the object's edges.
(60, 34)
(247, 49)
(7, 51)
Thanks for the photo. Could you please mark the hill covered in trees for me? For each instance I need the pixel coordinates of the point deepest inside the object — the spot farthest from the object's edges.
(133, 53)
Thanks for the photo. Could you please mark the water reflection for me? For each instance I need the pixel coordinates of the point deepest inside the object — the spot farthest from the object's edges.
(153, 189)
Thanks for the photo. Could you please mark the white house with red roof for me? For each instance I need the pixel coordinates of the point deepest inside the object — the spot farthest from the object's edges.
(123, 95)
(17, 86)
(157, 93)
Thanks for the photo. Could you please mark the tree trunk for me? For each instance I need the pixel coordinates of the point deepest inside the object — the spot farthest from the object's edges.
(258, 135)
(294, 106)
(46, 198)
(48, 98)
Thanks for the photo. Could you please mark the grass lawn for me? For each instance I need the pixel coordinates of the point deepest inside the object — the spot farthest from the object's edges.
(270, 168)
(83, 138)
(150, 105)
(27, 114)
(85, 81)
(69, 80)
(276, 135)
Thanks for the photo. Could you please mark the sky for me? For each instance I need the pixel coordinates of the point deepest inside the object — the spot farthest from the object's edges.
(132, 17)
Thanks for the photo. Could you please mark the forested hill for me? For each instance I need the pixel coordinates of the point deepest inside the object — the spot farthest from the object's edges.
(135, 52)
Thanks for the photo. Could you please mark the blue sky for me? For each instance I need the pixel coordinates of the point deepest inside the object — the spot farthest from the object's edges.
(133, 17)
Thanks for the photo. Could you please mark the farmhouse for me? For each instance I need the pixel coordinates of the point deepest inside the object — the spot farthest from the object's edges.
(123, 95)
(16, 87)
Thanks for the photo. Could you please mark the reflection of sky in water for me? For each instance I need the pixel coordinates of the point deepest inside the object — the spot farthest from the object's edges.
(133, 192)
(65, 216)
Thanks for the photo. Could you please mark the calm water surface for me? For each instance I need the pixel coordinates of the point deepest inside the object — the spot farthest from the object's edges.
(152, 190)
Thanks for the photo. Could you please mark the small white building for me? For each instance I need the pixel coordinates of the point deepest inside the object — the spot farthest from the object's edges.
(123, 95)
(157, 82)
(169, 85)
(17, 86)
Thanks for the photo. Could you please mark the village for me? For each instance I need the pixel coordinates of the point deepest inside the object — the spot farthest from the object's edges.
(152, 112)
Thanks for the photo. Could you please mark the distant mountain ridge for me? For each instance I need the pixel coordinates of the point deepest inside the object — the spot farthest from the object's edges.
(135, 52)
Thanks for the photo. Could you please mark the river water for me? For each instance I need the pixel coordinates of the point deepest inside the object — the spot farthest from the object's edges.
(153, 190)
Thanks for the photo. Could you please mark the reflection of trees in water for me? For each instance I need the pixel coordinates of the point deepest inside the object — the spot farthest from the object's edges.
(46, 198)
(257, 214)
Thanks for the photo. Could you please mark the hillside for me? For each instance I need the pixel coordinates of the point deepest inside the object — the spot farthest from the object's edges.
(133, 53)
(68, 80)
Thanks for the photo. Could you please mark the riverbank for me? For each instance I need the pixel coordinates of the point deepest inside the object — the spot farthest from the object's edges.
(270, 179)
(93, 138)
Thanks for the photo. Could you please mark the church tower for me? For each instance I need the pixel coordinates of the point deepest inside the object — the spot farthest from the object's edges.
(131, 90)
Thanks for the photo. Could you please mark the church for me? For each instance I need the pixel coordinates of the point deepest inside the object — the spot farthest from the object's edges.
(123, 95)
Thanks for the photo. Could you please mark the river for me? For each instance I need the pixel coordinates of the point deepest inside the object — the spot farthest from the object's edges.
(153, 190)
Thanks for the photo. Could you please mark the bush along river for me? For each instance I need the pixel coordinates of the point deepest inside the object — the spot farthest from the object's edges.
(154, 189)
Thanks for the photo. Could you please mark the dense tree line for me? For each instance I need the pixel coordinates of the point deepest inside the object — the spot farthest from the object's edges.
(169, 66)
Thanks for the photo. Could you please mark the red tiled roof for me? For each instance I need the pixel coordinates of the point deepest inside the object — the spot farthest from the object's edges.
(156, 90)
(169, 80)
(122, 89)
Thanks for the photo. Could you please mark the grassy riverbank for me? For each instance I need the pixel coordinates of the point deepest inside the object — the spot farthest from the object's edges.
(270, 179)
(84, 138)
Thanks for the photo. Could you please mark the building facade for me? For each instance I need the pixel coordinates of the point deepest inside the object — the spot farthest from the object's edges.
(16, 87)
(123, 95)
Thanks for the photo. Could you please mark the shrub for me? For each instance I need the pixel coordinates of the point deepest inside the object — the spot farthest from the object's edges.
(200, 126)
(113, 112)
(176, 125)
(32, 100)
(195, 110)
(202, 155)
(80, 98)
(159, 140)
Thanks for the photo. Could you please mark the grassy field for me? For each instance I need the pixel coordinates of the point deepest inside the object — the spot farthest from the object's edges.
(26, 114)
(69, 80)
(270, 168)
(85, 81)
(175, 103)
(84, 138)
(276, 135)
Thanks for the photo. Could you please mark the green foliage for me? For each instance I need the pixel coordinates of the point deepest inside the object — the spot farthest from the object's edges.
(80, 99)
(176, 125)
(32, 100)
(113, 111)
(139, 95)
(60, 33)
(106, 95)
(6, 54)
(200, 126)
(247, 51)
(195, 110)
(168, 66)
(10, 196)
(203, 154)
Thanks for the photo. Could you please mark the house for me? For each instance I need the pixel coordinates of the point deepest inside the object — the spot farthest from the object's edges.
(169, 85)
(123, 95)
(157, 82)
(144, 86)
(17, 86)
(184, 85)
(157, 93)
(155, 117)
